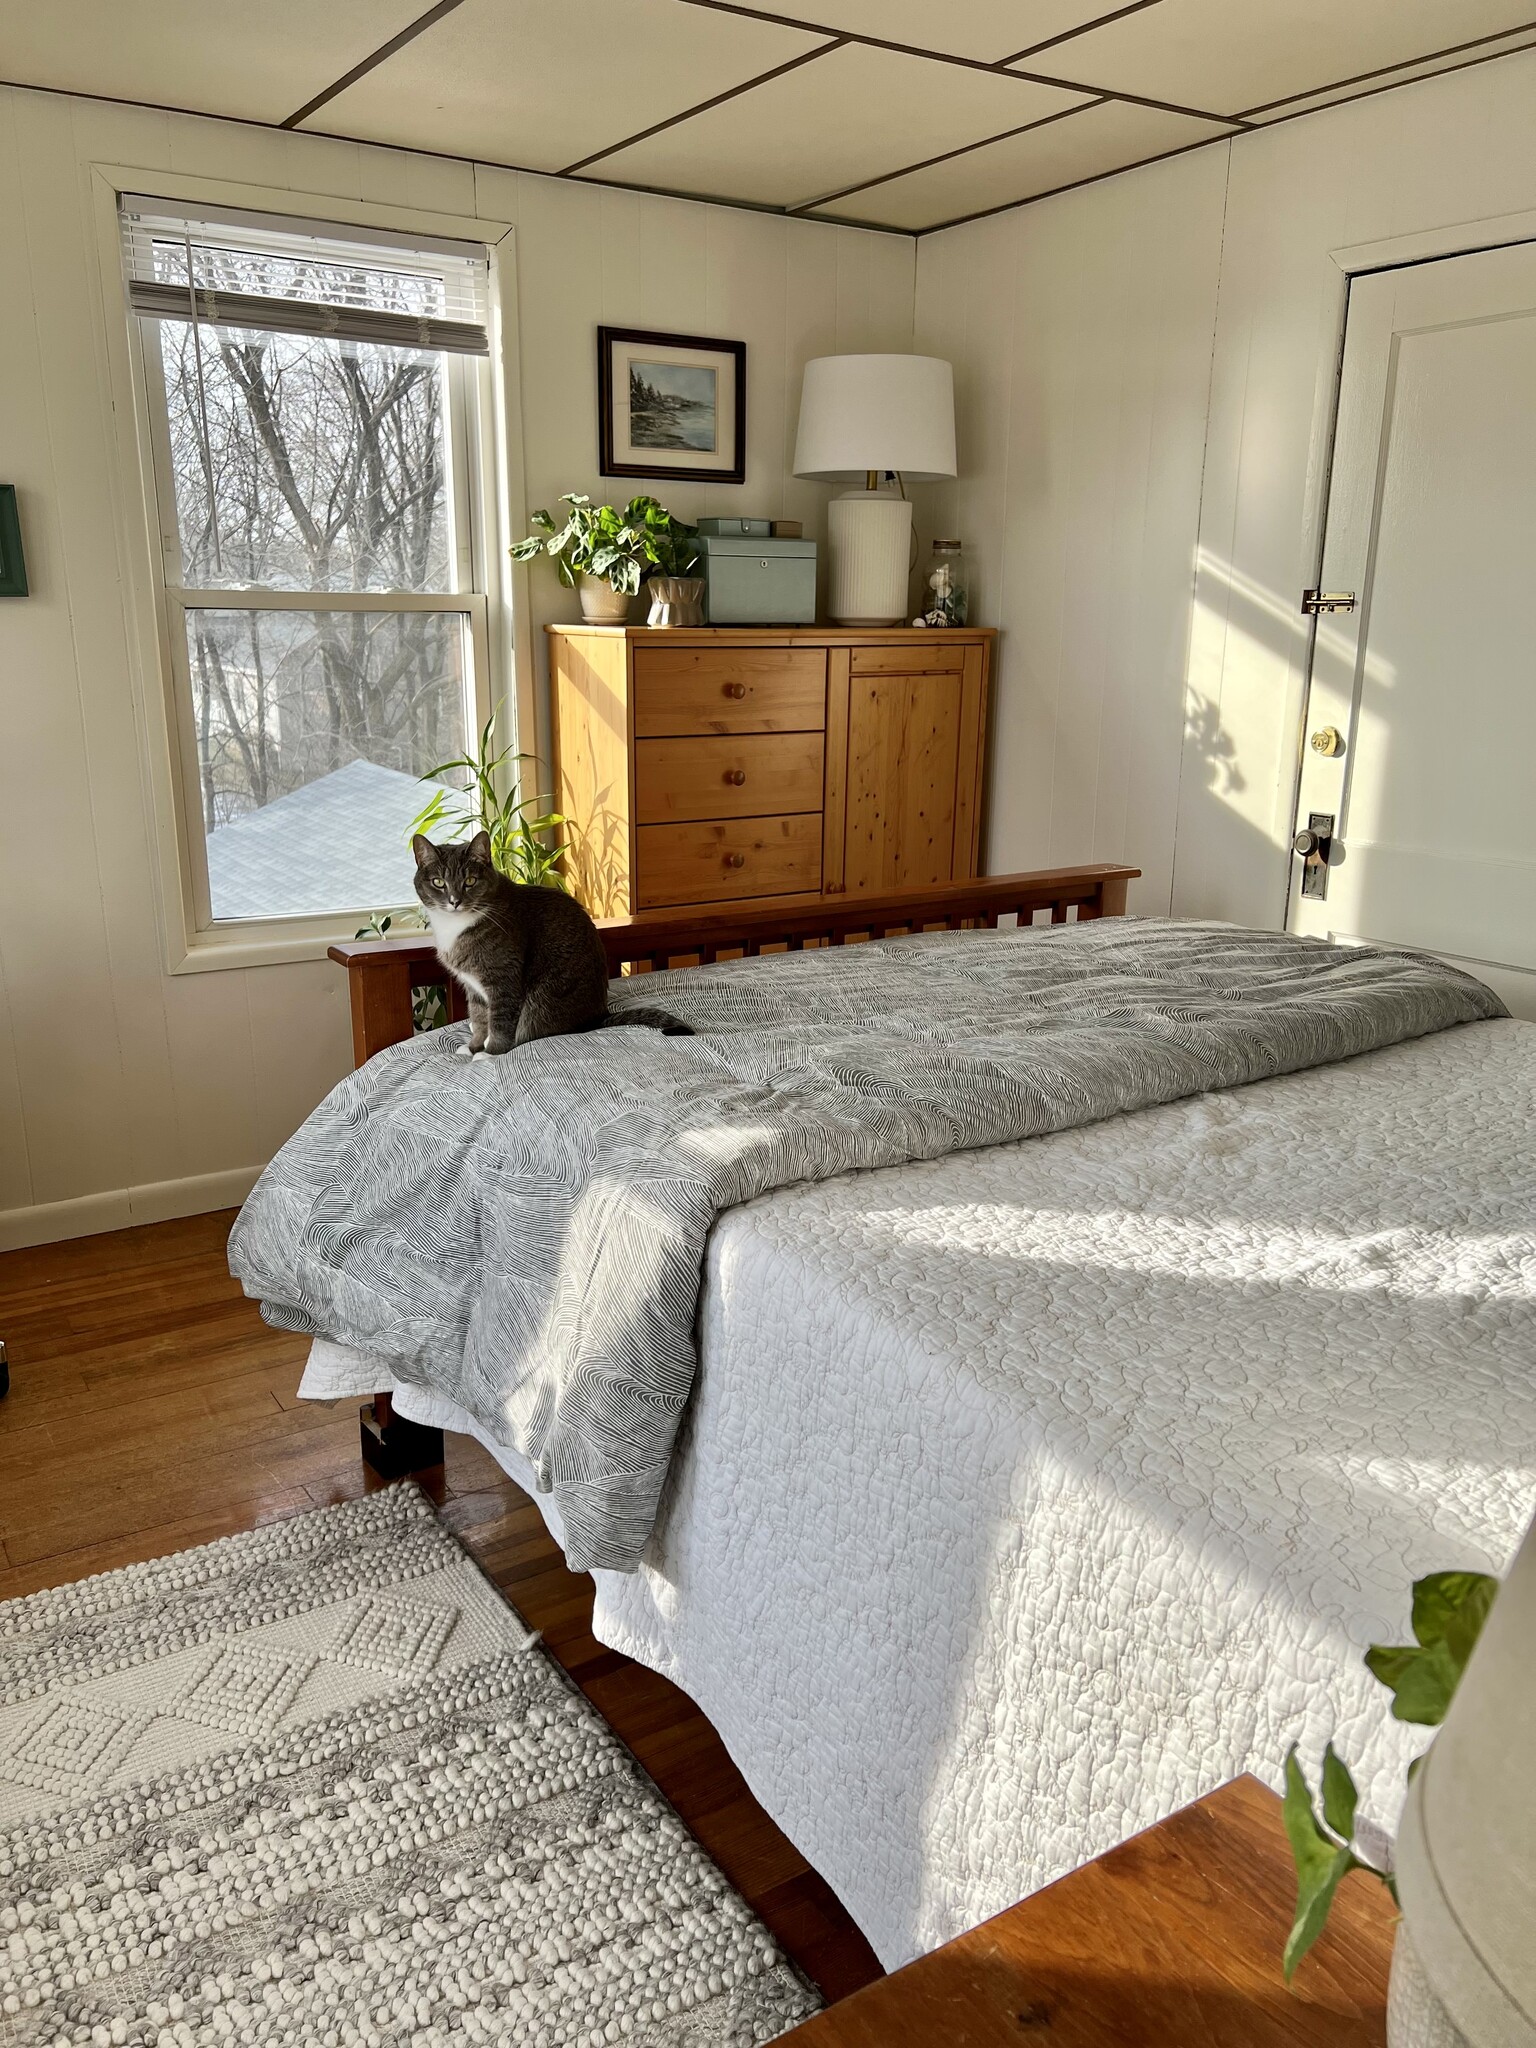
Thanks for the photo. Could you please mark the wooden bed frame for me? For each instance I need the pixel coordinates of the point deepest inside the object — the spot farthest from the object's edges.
(384, 974)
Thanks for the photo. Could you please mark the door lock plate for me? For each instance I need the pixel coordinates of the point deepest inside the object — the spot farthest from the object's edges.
(1314, 601)
(1315, 844)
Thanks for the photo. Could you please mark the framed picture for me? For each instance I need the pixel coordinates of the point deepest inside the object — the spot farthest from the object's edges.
(671, 405)
(13, 568)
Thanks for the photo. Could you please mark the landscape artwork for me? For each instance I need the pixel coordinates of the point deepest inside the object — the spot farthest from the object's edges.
(673, 405)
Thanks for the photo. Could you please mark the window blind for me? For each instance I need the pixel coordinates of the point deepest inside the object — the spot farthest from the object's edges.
(255, 271)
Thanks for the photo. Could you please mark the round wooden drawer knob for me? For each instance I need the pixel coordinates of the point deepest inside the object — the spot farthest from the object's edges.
(734, 689)
(735, 777)
(735, 860)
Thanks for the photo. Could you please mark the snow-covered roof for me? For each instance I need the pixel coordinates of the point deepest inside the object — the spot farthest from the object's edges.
(339, 843)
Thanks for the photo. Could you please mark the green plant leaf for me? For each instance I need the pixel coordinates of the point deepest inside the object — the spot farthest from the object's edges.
(1450, 1608)
(1320, 1863)
(1339, 1795)
(1423, 1683)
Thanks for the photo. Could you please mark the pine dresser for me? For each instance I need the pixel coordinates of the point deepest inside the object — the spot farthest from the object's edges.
(700, 765)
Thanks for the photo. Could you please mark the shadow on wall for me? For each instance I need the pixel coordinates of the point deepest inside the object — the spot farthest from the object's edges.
(1252, 658)
(1212, 747)
(1242, 701)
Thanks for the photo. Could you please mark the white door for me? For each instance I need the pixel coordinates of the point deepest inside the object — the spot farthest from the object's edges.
(1426, 691)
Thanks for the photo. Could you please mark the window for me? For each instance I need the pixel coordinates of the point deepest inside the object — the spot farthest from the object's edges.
(314, 400)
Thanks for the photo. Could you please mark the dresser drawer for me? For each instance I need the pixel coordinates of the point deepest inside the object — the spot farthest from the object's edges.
(711, 862)
(934, 654)
(727, 778)
(729, 690)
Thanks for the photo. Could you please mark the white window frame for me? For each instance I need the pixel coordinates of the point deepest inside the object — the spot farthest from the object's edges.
(486, 469)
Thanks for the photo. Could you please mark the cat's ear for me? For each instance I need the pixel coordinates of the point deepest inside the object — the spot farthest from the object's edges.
(479, 848)
(425, 852)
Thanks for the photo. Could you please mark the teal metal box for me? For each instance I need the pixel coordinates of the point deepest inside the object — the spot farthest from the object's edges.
(752, 581)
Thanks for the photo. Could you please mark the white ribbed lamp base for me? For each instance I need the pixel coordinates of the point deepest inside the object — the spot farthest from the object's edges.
(869, 539)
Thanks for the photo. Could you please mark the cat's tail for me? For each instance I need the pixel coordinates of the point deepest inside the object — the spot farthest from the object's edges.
(656, 1020)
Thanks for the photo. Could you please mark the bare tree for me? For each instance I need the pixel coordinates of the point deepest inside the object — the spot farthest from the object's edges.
(305, 463)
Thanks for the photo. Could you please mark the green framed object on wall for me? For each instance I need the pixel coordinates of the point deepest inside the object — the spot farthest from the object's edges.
(13, 567)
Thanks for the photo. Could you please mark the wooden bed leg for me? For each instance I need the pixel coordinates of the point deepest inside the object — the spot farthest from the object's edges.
(393, 1446)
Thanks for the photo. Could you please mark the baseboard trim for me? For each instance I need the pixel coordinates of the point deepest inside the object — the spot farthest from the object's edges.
(121, 1208)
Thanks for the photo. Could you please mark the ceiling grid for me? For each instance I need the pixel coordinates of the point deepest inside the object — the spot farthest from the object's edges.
(893, 114)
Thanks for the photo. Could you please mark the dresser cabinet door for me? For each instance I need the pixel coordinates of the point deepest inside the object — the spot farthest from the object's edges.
(913, 744)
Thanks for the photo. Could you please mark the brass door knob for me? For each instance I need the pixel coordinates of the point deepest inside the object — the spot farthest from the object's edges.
(1308, 843)
(1328, 740)
(735, 860)
(734, 689)
(735, 777)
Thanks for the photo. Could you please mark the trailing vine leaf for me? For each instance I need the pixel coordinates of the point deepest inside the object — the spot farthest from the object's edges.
(1421, 1681)
(1449, 1609)
(1320, 1863)
(1339, 1795)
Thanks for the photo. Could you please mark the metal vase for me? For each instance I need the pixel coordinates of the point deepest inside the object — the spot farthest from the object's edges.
(676, 601)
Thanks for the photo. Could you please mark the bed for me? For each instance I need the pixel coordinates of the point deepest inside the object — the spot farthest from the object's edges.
(1028, 1491)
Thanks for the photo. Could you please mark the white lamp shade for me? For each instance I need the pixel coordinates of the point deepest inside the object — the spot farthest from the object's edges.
(1466, 1852)
(859, 413)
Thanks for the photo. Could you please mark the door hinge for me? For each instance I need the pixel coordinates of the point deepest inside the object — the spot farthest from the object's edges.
(1313, 601)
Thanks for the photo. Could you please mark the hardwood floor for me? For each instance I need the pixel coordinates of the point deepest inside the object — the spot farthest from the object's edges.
(151, 1409)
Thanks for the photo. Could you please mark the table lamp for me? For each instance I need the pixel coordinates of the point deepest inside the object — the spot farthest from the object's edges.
(1466, 1849)
(861, 416)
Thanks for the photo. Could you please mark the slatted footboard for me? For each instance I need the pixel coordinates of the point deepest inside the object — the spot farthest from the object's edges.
(384, 974)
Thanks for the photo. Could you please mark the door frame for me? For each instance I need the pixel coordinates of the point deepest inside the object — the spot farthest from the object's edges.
(1352, 260)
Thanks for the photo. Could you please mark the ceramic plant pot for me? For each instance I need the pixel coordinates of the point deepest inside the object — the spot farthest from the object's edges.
(1415, 2016)
(676, 600)
(601, 604)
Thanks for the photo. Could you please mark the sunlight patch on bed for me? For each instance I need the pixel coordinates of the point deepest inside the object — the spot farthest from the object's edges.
(1410, 1259)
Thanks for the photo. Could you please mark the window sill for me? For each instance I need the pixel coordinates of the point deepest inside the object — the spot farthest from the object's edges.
(276, 945)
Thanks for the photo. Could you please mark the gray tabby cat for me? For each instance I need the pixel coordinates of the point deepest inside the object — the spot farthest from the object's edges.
(530, 959)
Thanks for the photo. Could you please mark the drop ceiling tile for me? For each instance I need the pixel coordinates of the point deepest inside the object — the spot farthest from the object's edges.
(1480, 52)
(541, 83)
(1221, 58)
(257, 63)
(987, 30)
(853, 114)
(1102, 138)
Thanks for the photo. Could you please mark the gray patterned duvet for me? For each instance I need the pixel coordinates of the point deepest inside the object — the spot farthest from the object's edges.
(525, 1236)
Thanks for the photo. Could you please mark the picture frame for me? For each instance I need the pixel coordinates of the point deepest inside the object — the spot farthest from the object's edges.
(671, 405)
(13, 565)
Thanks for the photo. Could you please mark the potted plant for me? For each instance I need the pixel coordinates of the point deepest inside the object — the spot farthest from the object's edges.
(1449, 1609)
(602, 552)
(677, 594)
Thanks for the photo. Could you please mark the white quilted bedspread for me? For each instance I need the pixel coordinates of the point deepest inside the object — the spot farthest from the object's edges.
(1034, 1491)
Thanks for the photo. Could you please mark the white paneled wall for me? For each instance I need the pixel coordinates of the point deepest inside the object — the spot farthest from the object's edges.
(1432, 168)
(590, 255)
(127, 1093)
(1080, 330)
(1146, 373)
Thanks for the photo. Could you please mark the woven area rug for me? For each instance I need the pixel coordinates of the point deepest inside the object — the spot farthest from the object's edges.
(317, 1785)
